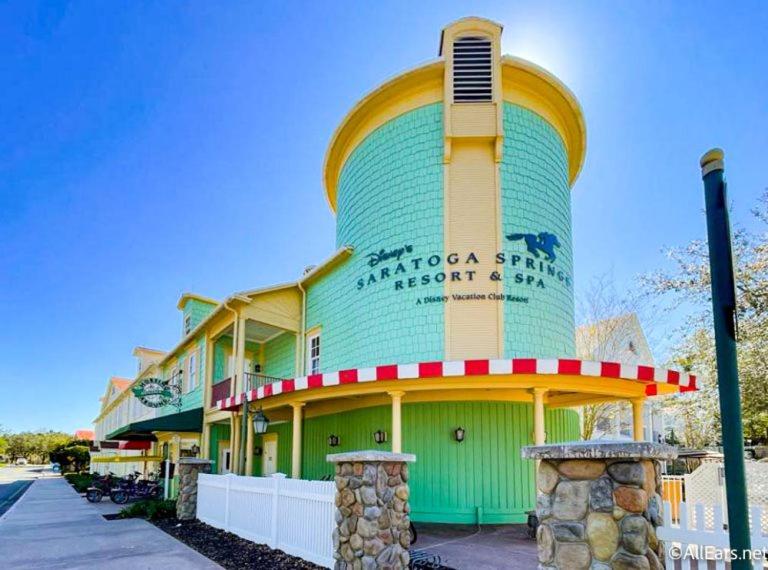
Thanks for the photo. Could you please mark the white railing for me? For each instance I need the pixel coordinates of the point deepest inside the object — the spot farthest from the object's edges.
(701, 534)
(290, 514)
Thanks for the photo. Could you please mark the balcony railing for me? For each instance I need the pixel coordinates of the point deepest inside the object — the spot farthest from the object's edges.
(221, 390)
(254, 381)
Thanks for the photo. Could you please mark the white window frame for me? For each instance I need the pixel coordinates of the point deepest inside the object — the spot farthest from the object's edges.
(313, 359)
(192, 371)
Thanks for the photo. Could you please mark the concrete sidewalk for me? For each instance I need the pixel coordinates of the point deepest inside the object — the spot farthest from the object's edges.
(51, 526)
(489, 547)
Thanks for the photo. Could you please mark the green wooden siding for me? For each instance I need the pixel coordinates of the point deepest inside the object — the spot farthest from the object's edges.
(219, 432)
(280, 356)
(355, 430)
(482, 479)
(284, 431)
(220, 358)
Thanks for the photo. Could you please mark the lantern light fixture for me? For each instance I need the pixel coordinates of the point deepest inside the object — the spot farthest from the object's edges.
(380, 437)
(459, 434)
(260, 422)
(333, 440)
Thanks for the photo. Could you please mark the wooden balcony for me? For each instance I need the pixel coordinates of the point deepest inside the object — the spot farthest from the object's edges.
(221, 390)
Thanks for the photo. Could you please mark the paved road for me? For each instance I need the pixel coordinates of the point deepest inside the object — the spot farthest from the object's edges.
(14, 481)
(53, 527)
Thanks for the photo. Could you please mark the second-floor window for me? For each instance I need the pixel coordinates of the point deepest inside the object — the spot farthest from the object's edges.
(192, 372)
(313, 353)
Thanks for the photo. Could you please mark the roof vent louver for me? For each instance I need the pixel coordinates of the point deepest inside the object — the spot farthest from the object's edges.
(472, 70)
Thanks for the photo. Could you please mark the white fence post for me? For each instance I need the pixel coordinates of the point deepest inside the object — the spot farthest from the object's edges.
(290, 514)
(701, 529)
(228, 482)
(277, 479)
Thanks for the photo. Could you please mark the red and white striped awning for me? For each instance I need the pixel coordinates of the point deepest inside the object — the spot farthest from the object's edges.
(648, 375)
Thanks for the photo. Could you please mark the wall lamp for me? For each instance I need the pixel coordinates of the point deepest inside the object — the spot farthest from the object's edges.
(459, 434)
(260, 422)
(380, 437)
(333, 440)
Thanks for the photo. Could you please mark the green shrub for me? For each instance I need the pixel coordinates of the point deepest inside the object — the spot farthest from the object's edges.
(80, 481)
(151, 509)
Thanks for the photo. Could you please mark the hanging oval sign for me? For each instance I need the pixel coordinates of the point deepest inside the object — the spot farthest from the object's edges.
(153, 392)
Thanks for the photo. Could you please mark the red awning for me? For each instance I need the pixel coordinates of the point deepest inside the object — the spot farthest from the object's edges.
(135, 445)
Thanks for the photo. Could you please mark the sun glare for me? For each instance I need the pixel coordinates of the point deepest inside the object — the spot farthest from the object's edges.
(547, 48)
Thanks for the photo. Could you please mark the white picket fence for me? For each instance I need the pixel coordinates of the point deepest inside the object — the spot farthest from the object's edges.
(701, 528)
(292, 515)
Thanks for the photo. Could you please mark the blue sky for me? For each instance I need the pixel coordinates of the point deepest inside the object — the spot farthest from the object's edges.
(152, 148)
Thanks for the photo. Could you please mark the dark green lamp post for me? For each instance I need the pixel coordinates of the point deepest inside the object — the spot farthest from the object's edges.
(724, 314)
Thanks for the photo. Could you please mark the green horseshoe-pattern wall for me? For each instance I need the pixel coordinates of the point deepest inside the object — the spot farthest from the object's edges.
(535, 198)
(483, 476)
(390, 195)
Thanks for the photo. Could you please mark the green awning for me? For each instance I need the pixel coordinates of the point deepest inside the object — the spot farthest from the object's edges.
(191, 420)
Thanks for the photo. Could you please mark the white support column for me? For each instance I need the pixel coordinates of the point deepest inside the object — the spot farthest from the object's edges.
(397, 421)
(234, 443)
(637, 418)
(296, 443)
(539, 429)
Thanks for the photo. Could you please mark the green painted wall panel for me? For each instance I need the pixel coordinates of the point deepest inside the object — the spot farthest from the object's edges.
(535, 198)
(355, 430)
(197, 311)
(450, 481)
(194, 398)
(390, 196)
(284, 434)
(280, 356)
(219, 432)
(220, 358)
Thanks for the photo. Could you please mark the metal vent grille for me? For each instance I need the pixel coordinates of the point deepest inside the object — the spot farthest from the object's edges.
(472, 75)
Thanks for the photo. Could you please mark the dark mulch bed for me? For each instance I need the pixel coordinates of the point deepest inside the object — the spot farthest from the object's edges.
(229, 550)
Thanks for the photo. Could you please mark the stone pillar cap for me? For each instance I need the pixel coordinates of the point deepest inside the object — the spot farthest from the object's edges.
(194, 461)
(370, 455)
(601, 450)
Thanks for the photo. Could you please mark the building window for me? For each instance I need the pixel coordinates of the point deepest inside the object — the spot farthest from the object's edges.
(192, 372)
(187, 324)
(632, 347)
(313, 353)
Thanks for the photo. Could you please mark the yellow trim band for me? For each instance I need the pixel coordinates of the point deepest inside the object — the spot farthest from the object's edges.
(523, 83)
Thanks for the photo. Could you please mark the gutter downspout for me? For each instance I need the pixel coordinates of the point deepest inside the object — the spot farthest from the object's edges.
(303, 331)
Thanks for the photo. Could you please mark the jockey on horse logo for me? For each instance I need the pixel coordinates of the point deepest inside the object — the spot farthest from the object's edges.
(544, 242)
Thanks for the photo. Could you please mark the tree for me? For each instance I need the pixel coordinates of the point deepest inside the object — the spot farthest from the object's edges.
(689, 280)
(608, 326)
(72, 456)
(3, 441)
(34, 446)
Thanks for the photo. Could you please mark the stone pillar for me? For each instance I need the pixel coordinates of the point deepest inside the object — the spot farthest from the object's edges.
(599, 505)
(372, 521)
(189, 467)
